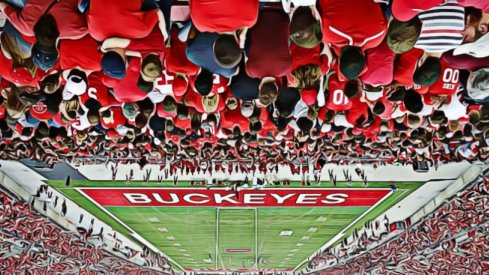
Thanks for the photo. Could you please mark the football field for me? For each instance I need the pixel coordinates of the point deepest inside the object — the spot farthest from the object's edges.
(226, 237)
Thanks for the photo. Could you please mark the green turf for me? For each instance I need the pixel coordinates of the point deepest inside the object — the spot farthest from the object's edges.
(237, 230)
(188, 235)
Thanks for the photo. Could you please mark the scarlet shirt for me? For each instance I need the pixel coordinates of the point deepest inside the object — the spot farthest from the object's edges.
(380, 64)
(307, 56)
(97, 90)
(220, 84)
(114, 18)
(83, 53)
(153, 43)
(448, 82)
(358, 23)
(405, 65)
(223, 15)
(126, 89)
(20, 75)
(233, 118)
(176, 58)
(24, 19)
(268, 53)
(357, 110)
(70, 22)
(337, 100)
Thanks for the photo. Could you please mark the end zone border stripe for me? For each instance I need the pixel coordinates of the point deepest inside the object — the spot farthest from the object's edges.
(223, 197)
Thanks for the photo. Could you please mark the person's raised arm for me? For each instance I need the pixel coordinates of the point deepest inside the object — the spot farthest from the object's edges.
(162, 24)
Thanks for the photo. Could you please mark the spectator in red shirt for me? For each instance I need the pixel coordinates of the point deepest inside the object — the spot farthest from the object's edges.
(348, 36)
(223, 16)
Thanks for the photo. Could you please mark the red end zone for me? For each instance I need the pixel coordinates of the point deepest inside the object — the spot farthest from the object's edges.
(280, 197)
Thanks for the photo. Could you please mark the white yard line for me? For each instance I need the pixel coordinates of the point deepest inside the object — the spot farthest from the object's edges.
(256, 238)
(217, 236)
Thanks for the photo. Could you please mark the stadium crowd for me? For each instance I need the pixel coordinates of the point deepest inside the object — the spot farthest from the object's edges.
(32, 244)
(400, 81)
(454, 239)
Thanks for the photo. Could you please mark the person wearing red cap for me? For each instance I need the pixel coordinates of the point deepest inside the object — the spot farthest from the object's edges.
(19, 76)
(309, 96)
(167, 108)
(223, 15)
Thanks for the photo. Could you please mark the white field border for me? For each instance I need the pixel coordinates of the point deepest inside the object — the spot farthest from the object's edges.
(141, 239)
(342, 232)
(133, 233)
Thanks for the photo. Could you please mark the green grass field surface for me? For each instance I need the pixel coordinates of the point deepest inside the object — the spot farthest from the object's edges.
(199, 237)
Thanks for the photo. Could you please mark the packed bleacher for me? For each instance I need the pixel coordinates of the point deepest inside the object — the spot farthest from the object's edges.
(326, 81)
(454, 239)
(32, 244)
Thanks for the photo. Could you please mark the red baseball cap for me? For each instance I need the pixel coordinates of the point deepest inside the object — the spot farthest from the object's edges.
(112, 133)
(309, 96)
(179, 85)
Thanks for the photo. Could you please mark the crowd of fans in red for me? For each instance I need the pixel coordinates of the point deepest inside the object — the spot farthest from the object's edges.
(454, 239)
(32, 244)
(402, 81)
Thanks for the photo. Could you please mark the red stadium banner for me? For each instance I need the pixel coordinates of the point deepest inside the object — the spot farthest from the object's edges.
(270, 197)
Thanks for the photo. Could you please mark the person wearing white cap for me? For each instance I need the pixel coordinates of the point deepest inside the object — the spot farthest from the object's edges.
(247, 108)
(76, 84)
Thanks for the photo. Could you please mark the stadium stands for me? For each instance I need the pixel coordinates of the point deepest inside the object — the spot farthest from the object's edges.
(454, 239)
(32, 243)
